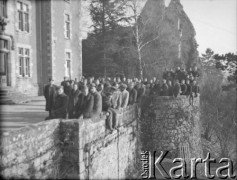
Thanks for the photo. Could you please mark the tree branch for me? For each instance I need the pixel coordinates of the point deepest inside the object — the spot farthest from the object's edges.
(142, 46)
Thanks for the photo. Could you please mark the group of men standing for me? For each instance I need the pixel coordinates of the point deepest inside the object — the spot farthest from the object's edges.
(88, 97)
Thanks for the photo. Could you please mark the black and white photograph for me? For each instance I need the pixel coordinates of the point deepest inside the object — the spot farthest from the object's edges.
(118, 89)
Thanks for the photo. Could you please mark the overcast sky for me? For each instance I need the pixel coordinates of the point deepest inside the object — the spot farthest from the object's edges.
(215, 23)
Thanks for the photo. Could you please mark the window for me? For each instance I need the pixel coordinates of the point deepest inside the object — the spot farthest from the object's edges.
(67, 26)
(4, 50)
(24, 62)
(68, 64)
(3, 8)
(23, 16)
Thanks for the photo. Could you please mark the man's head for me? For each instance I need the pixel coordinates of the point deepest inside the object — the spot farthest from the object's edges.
(85, 81)
(130, 85)
(85, 90)
(145, 79)
(123, 87)
(107, 86)
(75, 87)
(67, 83)
(164, 81)
(90, 80)
(60, 90)
(157, 81)
(169, 82)
(178, 68)
(97, 82)
(118, 79)
(195, 68)
(115, 85)
(124, 79)
(92, 88)
(187, 81)
(182, 81)
(100, 87)
(194, 82)
(51, 81)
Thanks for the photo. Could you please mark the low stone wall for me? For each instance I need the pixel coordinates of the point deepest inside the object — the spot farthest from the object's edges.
(80, 148)
(31, 151)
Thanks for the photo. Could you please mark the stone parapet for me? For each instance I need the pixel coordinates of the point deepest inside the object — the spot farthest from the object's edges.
(77, 148)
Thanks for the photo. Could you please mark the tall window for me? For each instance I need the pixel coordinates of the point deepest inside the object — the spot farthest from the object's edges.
(4, 50)
(23, 16)
(3, 8)
(24, 62)
(67, 26)
(68, 64)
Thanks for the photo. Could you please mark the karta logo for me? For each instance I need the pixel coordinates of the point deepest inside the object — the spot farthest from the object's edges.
(151, 164)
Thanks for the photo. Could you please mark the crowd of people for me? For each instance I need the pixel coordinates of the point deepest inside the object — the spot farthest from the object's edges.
(89, 97)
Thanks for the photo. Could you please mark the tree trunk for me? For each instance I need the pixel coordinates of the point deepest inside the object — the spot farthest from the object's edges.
(140, 69)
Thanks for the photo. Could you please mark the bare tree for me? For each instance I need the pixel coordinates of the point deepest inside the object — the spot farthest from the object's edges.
(142, 28)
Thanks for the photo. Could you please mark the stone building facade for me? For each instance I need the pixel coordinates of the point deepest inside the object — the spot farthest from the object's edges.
(38, 40)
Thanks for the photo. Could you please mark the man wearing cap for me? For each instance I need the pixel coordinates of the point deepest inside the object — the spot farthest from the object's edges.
(97, 108)
(60, 106)
(50, 94)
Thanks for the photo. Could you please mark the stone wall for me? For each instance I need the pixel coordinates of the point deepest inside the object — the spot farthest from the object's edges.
(71, 149)
(31, 151)
(174, 126)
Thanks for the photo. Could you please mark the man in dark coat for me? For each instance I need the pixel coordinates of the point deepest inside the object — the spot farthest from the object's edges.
(97, 108)
(189, 92)
(157, 88)
(60, 105)
(64, 82)
(132, 94)
(195, 88)
(178, 73)
(176, 89)
(183, 87)
(85, 103)
(170, 88)
(50, 93)
(165, 74)
(73, 99)
(164, 88)
(68, 89)
(195, 72)
(140, 91)
(106, 95)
